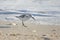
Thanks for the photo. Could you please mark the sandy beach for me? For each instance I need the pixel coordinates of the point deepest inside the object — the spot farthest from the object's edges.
(15, 31)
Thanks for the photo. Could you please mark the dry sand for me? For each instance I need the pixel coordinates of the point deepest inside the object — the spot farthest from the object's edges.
(31, 32)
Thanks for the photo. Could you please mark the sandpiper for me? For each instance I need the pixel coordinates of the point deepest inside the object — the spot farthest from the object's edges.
(24, 17)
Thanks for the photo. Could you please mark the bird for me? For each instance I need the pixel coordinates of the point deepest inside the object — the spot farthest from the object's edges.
(25, 17)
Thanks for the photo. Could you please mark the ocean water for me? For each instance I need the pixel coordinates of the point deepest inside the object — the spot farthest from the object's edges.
(47, 18)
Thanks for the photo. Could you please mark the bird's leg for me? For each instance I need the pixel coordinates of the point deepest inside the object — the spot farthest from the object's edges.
(23, 24)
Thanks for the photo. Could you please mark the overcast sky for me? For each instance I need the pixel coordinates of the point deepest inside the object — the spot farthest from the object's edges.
(38, 5)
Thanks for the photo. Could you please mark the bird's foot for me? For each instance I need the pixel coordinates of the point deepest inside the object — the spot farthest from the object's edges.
(23, 24)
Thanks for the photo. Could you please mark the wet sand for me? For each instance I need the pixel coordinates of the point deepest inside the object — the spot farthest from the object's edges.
(32, 32)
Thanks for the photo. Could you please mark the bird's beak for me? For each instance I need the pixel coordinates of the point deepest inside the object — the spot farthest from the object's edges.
(33, 18)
